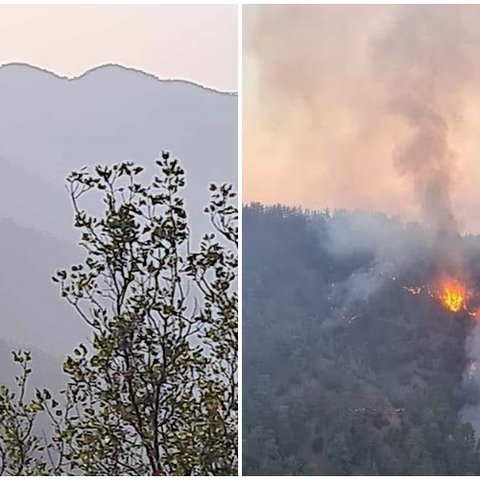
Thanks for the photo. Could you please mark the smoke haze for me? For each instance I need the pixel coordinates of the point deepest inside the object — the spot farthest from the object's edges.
(369, 107)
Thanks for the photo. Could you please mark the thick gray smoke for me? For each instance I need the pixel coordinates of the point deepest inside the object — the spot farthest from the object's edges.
(424, 63)
(391, 245)
(471, 411)
(365, 106)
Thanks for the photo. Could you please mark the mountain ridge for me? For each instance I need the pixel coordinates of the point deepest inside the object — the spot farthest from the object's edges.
(49, 128)
(118, 66)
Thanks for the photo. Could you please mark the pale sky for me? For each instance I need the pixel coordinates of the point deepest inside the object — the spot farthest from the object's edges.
(190, 42)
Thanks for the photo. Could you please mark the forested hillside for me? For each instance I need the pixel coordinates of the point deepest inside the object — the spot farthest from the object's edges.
(345, 371)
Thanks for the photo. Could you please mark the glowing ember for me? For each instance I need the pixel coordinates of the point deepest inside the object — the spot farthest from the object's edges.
(452, 295)
(413, 290)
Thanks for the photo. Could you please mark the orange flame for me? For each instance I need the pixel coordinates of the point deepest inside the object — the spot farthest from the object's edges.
(452, 295)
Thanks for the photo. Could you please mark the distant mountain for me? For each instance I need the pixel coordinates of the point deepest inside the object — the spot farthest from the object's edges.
(50, 126)
(31, 310)
(46, 373)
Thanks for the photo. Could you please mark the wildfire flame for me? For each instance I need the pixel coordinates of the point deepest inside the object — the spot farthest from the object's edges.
(453, 295)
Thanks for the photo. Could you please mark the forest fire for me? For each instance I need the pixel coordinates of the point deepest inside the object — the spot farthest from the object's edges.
(453, 295)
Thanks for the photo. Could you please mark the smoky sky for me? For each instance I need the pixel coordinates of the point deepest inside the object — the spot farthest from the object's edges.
(369, 107)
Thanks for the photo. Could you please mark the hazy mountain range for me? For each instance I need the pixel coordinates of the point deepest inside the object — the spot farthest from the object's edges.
(50, 126)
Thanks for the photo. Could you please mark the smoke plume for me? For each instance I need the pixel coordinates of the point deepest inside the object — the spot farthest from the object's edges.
(424, 74)
(364, 106)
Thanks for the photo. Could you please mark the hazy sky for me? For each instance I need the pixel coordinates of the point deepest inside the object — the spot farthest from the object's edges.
(192, 42)
(371, 107)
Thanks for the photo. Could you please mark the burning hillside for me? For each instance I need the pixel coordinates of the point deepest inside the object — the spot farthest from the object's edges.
(329, 324)
(453, 293)
(330, 329)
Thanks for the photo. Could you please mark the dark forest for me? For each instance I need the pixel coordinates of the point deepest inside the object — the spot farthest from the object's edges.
(345, 370)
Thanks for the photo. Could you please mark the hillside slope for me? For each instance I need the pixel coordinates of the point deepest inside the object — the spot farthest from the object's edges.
(345, 371)
(50, 126)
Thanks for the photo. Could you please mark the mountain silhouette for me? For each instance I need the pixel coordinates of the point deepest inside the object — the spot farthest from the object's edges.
(51, 125)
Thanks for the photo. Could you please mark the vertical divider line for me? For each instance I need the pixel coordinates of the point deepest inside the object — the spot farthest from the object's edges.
(240, 231)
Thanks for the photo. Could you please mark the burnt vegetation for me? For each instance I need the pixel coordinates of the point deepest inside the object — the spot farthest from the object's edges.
(345, 372)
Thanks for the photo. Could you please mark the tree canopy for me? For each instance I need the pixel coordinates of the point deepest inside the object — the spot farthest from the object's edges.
(155, 392)
(345, 372)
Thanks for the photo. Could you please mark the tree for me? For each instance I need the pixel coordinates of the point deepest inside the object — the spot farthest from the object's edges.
(19, 445)
(156, 392)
